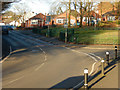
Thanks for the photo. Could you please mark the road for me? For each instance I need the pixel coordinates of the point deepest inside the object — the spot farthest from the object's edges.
(34, 63)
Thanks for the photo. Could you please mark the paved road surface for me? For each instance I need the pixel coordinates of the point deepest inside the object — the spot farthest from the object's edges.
(38, 64)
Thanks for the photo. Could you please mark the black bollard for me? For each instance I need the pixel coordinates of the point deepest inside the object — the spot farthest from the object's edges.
(107, 58)
(115, 52)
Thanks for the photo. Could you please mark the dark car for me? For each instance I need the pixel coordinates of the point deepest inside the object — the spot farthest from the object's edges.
(4, 29)
(10, 27)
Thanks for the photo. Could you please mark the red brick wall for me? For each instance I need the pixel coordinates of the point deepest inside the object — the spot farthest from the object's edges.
(40, 15)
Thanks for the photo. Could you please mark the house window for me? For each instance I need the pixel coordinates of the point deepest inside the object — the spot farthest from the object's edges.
(59, 21)
(34, 22)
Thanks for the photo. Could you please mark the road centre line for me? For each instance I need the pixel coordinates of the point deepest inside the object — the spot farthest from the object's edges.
(39, 67)
(45, 59)
(93, 65)
(15, 80)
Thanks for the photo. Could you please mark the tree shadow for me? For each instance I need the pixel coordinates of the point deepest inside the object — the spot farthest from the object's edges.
(68, 83)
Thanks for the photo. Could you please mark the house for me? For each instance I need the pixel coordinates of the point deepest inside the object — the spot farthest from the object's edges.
(36, 21)
(111, 15)
(61, 18)
(92, 16)
(105, 7)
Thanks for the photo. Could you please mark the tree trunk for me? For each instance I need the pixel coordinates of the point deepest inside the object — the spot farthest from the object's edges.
(75, 13)
(81, 18)
(69, 14)
(81, 14)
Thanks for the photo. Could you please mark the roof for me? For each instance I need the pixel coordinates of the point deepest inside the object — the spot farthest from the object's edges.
(93, 14)
(72, 13)
(112, 13)
(38, 16)
(105, 7)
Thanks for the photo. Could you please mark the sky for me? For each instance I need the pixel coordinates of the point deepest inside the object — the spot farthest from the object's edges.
(36, 6)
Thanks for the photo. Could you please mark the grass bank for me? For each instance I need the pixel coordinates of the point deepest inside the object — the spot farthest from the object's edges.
(85, 35)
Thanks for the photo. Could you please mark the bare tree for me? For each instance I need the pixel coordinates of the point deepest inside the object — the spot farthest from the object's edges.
(69, 13)
(89, 7)
(82, 10)
(21, 9)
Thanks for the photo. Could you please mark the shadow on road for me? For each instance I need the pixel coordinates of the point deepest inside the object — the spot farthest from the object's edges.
(68, 83)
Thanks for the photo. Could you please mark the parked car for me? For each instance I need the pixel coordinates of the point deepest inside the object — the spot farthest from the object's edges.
(4, 29)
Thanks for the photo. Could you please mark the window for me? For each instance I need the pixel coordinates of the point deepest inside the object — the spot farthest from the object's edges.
(34, 22)
(59, 21)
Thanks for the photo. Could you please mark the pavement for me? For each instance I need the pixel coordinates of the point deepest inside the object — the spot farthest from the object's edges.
(109, 81)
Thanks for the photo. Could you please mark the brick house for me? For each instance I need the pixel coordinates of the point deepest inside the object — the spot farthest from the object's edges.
(111, 16)
(36, 21)
(60, 19)
(105, 7)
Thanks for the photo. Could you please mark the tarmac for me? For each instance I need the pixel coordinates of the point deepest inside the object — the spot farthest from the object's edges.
(111, 78)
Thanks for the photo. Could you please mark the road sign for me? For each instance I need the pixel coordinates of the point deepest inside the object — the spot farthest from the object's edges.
(65, 26)
(48, 18)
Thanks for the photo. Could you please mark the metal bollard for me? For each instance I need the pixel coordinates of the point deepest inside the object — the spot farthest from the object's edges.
(102, 65)
(115, 52)
(107, 58)
(86, 78)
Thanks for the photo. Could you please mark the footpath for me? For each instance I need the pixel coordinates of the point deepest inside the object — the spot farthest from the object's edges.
(111, 78)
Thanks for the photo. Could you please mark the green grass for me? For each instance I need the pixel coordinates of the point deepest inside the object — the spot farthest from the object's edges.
(98, 37)
(87, 35)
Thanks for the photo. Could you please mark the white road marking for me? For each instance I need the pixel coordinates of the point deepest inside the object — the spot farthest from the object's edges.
(95, 56)
(11, 52)
(45, 59)
(92, 70)
(83, 53)
(15, 80)
(39, 67)
(7, 56)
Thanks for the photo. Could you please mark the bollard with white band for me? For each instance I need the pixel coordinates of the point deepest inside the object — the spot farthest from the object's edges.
(102, 65)
(115, 52)
(86, 78)
(107, 58)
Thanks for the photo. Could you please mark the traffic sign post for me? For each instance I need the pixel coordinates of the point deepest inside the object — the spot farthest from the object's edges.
(48, 19)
